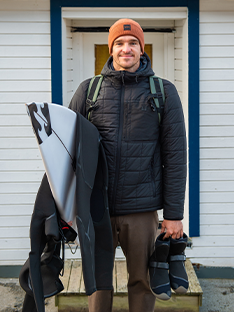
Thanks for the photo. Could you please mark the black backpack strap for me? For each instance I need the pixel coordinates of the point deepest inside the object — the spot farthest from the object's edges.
(157, 90)
(92, 94)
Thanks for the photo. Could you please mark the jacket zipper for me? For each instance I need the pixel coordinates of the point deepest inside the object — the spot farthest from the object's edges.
(118, 153)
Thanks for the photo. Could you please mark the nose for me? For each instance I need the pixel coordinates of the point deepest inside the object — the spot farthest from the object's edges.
(126, 48)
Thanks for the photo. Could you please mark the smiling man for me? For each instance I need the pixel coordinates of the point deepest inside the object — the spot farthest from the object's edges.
(146, 160)
(126, 52)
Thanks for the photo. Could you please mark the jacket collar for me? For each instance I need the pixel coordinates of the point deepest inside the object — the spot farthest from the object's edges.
(143, 71)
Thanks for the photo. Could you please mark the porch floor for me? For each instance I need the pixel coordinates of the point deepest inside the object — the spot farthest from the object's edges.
(73, 298)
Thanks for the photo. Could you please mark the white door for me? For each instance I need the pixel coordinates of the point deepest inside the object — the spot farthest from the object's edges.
(84, 54)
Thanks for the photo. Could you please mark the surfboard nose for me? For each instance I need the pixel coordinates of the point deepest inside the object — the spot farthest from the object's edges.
(27, 109)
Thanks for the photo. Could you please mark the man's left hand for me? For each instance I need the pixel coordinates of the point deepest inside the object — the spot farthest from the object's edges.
(174, 228)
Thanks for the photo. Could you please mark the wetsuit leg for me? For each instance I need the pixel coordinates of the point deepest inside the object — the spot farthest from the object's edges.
(102, 300)
(44, 207)
(104, 254)
(29, 304)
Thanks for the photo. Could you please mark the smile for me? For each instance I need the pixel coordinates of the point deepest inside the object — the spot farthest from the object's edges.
(125, 56)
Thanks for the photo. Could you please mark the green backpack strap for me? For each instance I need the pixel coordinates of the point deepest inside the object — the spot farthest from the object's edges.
(92, 94)
(157, 90)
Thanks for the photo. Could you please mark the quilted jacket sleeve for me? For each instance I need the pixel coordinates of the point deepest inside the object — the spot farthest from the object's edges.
(174, 154)
(78, 100)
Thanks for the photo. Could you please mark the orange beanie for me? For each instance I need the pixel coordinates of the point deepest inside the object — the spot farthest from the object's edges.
(123, 27)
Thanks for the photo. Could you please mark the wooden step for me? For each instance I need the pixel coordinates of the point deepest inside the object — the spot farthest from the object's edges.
(73, 298)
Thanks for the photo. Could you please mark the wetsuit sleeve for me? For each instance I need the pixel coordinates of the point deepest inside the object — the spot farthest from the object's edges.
(78, 101)
(174, 154)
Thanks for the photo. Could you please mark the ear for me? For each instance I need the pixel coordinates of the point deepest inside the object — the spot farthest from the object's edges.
(142, 53)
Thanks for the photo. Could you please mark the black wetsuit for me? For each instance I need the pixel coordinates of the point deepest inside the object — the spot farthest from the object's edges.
(92, 216)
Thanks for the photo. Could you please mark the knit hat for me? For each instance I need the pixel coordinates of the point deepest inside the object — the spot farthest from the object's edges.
(123, 27)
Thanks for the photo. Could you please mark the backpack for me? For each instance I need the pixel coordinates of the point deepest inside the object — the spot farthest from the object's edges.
(156, 88)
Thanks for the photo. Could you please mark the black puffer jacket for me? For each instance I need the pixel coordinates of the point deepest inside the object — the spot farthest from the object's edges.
(147, 164)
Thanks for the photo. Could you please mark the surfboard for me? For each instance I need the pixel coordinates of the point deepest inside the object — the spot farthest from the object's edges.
(55, 129)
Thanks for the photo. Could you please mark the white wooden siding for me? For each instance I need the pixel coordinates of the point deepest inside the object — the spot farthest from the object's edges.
(25, 76)
(216, 244)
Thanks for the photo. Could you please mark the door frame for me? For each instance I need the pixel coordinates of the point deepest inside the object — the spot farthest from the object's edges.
(80, 48)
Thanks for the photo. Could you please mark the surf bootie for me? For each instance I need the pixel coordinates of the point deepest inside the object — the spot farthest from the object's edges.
(158, 269)
(177, 273)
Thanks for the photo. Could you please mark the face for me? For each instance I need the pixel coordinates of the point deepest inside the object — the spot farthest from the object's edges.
(126, 52)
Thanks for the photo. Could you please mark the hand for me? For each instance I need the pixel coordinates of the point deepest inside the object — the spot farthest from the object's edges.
(174, 228)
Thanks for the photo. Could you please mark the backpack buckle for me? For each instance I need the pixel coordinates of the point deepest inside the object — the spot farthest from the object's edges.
(89, 102)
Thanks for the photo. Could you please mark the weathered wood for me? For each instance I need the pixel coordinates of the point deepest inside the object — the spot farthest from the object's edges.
(121, 277)
(75, 300)
(66, 275)
(82, 285)
(194, 285)
(72, 303)
(114, 278)
(178, 303)
(75, 281)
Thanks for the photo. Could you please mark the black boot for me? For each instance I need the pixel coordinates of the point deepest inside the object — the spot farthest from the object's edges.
(177, 272)
(158, 269)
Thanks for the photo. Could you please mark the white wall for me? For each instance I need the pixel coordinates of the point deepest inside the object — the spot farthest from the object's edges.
(25, 74)
(216, 244)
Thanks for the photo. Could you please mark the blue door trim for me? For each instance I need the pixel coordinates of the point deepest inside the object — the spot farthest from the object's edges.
(193, 46)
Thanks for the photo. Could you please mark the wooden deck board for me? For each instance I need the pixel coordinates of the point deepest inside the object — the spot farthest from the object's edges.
(82, 286)
(73, 299)
(75, 283)
(114, 278)
(194, 287)
(66, 276)
(121, 277)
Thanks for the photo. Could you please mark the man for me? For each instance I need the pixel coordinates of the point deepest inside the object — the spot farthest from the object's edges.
(146, 162)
